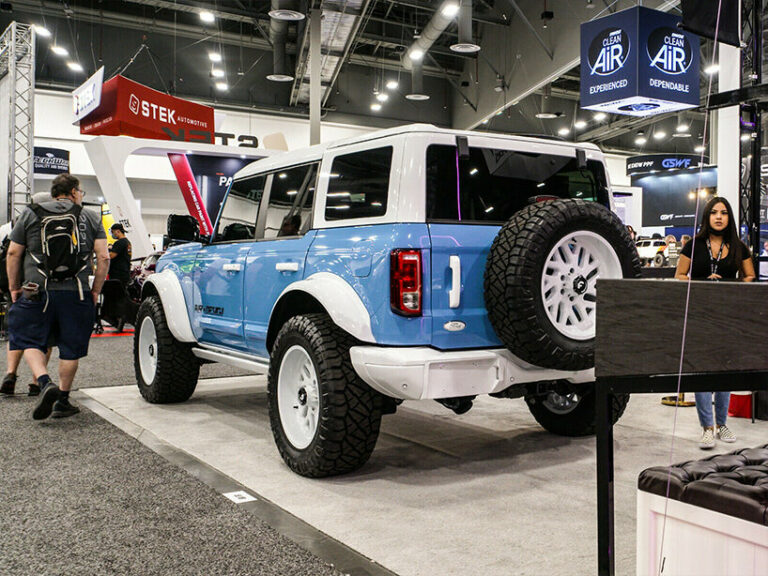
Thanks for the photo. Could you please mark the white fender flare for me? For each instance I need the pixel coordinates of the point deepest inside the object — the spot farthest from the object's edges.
(171, 295)
(343, 304)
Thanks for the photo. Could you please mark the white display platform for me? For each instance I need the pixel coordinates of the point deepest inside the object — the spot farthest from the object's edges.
(696, 541)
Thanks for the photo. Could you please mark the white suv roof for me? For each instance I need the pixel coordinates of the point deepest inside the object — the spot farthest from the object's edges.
(315, 153)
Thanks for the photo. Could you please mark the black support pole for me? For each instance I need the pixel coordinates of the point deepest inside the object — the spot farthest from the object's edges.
(606, 562)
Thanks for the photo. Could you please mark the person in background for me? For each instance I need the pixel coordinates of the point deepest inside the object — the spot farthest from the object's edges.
(120, 255)
(50, 292)
(632, 233)
(715, 254)
(684, 239)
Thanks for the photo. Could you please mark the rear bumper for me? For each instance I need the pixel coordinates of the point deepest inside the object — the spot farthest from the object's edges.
(425, 373)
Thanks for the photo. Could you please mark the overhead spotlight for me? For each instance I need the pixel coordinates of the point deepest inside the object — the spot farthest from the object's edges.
(42, 31)
(600, 116)
(214, 56)
(382, 96)
(375, 106)
(580, 124)
(222, 86)
(746, 137)
(74, 66)
(546, 17)
(699, 149)
(564, 131)
(590, 5)
(659, 135)
(485, 121)
(712, 69)
(450, 9)
(499, 87)
(416, 54)
(682, 128)
(217, 72)
(641, 140)
(392, 85)
(59, 50)
(679, 134)
(207, 16)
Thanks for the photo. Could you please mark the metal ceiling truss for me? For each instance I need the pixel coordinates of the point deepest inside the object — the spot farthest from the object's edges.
(17, 66)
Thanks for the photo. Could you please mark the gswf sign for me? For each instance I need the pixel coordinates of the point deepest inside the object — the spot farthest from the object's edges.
(638, 62)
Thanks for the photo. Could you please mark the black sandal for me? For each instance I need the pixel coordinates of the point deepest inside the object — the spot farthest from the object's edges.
(8, 387)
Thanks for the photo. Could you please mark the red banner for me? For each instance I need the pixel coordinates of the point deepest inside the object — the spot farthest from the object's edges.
(130, 109)
(191, 194)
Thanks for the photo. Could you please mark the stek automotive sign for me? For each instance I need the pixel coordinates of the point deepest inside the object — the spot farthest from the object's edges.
(131, 109)
(638, 62)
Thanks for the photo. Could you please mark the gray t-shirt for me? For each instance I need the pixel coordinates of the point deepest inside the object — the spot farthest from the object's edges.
(27, 232)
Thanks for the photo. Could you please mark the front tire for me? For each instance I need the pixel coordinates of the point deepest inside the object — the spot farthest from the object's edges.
(572, 412)
(166, 369)
(324, 418)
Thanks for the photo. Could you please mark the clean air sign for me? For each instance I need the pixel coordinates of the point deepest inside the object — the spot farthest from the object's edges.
(638, 62)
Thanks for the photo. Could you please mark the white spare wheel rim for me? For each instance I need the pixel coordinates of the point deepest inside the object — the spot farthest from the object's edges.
(298, 397)
(568, 282)
(148, 350)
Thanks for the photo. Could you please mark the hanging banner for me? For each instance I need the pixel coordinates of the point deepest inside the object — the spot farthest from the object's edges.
(648, 163)
(87, 97)
(190, 192)
(50, 161)
(213, 175)
(638, 62)
(128, 108)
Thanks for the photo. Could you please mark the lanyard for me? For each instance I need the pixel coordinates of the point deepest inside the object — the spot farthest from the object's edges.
(713, 264)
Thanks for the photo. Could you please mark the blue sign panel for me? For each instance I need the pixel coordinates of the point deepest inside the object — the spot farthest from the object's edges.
(638, 62)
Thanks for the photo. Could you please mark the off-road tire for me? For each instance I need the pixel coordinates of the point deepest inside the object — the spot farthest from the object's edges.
(349, 410)
(513, 278)
(177, 368)
(581, 420)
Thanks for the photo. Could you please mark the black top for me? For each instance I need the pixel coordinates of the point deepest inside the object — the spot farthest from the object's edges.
(120, 266)
(703, 264)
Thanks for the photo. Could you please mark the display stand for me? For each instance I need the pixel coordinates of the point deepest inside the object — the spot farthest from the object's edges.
(630, 358)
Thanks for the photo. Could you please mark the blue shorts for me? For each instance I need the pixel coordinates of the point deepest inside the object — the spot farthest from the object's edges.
(67, 320)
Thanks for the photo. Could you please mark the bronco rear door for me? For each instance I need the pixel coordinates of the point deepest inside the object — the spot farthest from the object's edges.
(472, 188)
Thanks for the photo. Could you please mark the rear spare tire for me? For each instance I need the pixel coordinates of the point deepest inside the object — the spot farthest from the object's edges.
(540, 279)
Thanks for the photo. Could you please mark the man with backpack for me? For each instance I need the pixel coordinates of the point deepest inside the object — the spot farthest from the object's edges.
(49, 261)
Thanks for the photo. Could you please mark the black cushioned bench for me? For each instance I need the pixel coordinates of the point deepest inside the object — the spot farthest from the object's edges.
(735, 484)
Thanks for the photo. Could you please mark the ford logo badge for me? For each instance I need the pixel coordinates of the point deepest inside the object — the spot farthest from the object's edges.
(454, 326)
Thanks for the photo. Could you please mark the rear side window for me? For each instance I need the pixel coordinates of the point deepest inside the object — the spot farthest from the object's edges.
(492, 184)
(358, 185)
(289, 209)
(238, 215)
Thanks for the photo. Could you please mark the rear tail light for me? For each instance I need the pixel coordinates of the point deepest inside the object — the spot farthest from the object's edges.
(405, 282)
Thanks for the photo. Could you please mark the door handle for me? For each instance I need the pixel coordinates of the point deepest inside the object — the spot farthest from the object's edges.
(231, 267)
(287, 266)
(454, 294)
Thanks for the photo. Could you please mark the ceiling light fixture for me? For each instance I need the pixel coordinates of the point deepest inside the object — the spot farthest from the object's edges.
(382, 96)
(580, 124)
(600, 116)
(679, 134)
(217, 72)
(660, 135)
(712, 69)
(450, 9)
(699, 148)
(42, 31)
(564, 131)
(590, 5)
(214, 56)
(392, 85)
(682, 128)
(375, 106)
(745, 137)
(59, 50)
(641, 140)
(207, 16)
(222, 86)
(416, 54)
(74, 66)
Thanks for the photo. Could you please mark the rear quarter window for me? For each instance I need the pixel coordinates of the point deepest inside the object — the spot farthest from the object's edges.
(492, 184)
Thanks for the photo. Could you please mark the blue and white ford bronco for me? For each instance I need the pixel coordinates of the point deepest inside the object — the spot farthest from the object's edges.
(409, 264)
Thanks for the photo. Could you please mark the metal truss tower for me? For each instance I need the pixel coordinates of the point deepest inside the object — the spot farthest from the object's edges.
(17, 67)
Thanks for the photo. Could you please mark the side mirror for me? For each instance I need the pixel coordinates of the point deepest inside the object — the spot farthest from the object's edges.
(183, 228)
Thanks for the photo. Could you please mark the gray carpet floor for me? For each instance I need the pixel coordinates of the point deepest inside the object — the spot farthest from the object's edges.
(78, 496)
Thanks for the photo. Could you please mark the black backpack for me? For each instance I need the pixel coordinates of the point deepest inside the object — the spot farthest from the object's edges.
(60, 239)
(3, 265)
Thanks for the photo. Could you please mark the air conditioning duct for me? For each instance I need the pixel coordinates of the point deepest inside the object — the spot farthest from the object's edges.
(278, 36)
(465, 44)
(417, 82)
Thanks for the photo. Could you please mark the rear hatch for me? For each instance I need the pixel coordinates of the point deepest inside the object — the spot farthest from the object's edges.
(469, 198)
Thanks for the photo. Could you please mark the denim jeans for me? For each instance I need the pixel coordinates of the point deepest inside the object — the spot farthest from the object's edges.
(704, 407)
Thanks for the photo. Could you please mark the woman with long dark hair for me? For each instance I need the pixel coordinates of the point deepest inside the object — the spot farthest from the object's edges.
(716, 253)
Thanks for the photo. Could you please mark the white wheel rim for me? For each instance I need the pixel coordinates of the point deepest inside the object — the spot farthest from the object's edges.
(298, 397)
(148, 350)
(568, 283)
